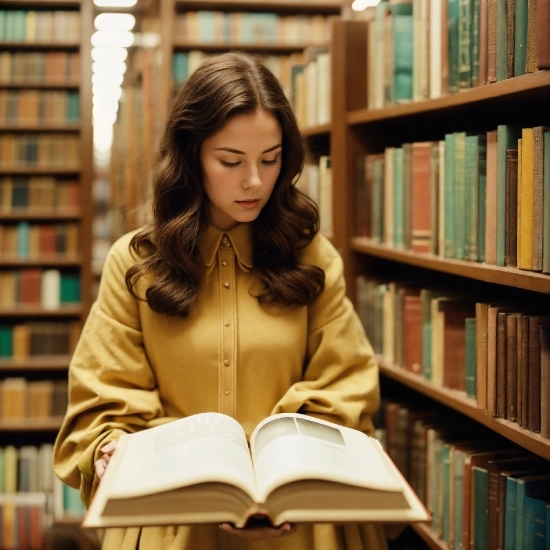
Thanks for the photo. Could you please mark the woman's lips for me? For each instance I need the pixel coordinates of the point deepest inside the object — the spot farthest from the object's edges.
(249, 204)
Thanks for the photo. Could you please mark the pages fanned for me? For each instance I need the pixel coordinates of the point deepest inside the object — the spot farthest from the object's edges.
(199, 469)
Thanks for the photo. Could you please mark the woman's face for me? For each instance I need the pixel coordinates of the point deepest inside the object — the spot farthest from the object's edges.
(240, 165)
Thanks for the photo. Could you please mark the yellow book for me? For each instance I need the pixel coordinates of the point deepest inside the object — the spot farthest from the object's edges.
(525, 200)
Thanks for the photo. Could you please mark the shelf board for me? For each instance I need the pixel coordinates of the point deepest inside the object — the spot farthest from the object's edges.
(37, 127)
(33, 170)
(508, 276)
(525, 84)
(26, 214)
(289, 6)
(214, 47)
(31, 424)
(41, 4)
(40, 85)
(41, 261)
(23, 310)
(459, 402)
(39, 46)
(36, 363)
(317, 130)
(429, 537)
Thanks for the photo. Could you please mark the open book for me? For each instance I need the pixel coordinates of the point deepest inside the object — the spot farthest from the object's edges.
(199, 469)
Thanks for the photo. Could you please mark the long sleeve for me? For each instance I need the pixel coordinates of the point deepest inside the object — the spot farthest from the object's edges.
(340, 379)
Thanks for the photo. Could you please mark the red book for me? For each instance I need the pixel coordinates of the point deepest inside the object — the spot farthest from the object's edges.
(47, 239)
(29, 286)
(412, 349)
(543, 36)
(421, 234)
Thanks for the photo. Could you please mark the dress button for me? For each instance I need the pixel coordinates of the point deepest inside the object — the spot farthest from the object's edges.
(224, 263)
(226, 323)
(225, 242)
(226, 392)
(226, 285)
(226, 362)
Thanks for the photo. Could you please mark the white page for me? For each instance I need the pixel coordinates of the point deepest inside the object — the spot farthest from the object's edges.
(292, 447)
(200, 448)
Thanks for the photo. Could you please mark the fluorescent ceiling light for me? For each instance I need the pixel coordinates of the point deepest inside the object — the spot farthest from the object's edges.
(115, 3)
(121, 39)
(115, 22)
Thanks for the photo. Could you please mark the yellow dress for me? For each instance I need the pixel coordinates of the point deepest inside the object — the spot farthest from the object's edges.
(134, 369)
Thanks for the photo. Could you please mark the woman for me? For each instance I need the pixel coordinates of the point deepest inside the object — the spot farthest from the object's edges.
(229, 300)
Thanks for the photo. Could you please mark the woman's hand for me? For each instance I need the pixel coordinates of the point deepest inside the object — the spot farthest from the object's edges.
(103, 462)
(261, 532)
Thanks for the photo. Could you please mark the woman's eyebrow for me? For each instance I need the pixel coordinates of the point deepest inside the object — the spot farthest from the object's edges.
(237, 152)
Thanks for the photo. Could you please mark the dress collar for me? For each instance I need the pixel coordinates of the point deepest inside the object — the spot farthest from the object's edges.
(240, 238)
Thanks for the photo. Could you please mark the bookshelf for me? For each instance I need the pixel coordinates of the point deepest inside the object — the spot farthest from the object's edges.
(360, 131)
(46, 174)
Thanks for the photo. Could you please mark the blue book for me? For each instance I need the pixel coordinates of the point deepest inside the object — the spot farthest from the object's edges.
(535, 486)
(534, 524)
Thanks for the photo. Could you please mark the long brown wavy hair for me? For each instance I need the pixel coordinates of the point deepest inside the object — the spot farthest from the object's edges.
(222, 87)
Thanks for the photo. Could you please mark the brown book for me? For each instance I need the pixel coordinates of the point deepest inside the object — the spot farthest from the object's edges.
(510, 37)
(21, 341)
(40, 398)
(491, 200)
(455, 313)
(523, 370)
(421, 236)
(538, 195)
(482, 310)
(501, 365)
(511, 211)
(512, 321)
(362, 197)
(544, 380)
(534, 372)
(491, 41)
(531, 64)
(412, 349)
(29, 286)
(13, 391)
(543, 36)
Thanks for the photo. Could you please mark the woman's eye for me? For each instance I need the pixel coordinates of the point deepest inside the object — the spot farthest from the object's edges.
(269, 162)
(230, 164)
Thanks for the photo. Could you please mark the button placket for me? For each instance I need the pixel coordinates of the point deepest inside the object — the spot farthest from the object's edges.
(228, 336)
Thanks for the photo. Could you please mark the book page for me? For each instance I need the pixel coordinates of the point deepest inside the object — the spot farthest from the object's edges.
(289, 447)
(199, 448)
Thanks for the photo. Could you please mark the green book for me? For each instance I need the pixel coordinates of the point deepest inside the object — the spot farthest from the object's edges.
(453, 30)
(20, 192)
(402, 53)
(19, 32)
(398, 207)
(407, 193)
(23, 239)
(507, 138)
(465, 8)
(510, 514)
(73, 107)
(10, 29)
(459, 459)
(470, 353)
(6, 341)
(474, 41)
(534, 524)
(448, 202)
(546, 206)
(3, 16)
(480, 503)
(536, 486)
(502, 24)
(459, 193)
(378, 200)
(69, 291)
(446, 489)
(520, 37)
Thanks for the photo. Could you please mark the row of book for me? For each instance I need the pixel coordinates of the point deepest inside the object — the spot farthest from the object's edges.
(39, 26)
(43, 193)
(53, 67)
(32, 399)
(316, 182)
(24, 240)
(38, 338)
(311, 88)
(251, 28)
(484, 198)
(419, 49)
(482, 493)
(39, 107)
(48, 150)
(31, 286)
(32, 498)
(492, 350)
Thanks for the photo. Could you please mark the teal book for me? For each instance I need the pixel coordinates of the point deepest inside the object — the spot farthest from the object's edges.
(402, 55)
(459, 194)
(534, 524)
(470, 357)
(10, 28)
(448, 199)
(378, 200)
(3, 24)
(507, 138)
(73, 106)
(520, 37)
(546, 206)
(482, 193)
(398, 209)
(72, 503)
(20, 192)
(23, 239)
(536, 486)
(510, 513)
(502, 24)
(459, 460)
(474, 41)
(20, 26)
(425, 304)
(453, 34)
(465, 8)
(180, 66)
(69, 291)
(548, 526)
(480, 503)
(6, 341)
(207, 26)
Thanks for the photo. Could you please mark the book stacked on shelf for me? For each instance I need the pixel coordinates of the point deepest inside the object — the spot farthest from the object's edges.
(47, 194)
(36, 26)
(476, 197)
(39, 107)
(43, 150)
(38, 338)
(481, 492)
(49, 68)
(32, 241)
(419, 49)
(251, 28)
(496, 352)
